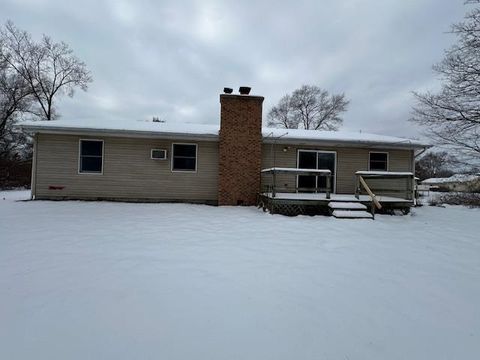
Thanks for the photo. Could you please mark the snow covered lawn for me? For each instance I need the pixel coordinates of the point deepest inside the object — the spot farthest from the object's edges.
(93, 280)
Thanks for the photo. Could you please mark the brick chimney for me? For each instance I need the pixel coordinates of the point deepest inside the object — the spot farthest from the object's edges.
(240, 149)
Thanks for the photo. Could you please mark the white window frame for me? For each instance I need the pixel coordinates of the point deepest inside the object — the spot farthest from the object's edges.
(172, 157)
(334, 182)
(379, 152)
(80, 156)
(160, 159)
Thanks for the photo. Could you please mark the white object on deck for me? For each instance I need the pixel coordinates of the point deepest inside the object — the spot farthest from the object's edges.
(297, 170)
(346, 206)
(384, 173)
(352, 214)
(333, 197)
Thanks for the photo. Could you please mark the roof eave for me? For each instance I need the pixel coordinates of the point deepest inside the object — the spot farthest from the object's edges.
(118, 133)
(346, 143)
(213, 137)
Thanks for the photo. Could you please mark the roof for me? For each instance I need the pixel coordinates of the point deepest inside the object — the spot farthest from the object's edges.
(207, 131)
(457, 178)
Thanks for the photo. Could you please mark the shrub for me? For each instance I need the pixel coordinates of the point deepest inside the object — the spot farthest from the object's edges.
(466, 199)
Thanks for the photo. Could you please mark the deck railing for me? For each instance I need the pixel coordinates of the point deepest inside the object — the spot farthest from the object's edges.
(406, 190)
(273, 188)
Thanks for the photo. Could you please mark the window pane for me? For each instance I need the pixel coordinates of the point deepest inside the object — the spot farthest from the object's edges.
(307, 160)
(89, 147)
(378, 157)
(378, 161)
(375, 166)
(326, 161)
(306, 182)
(91, 164)
(184, 150)
(184, 164)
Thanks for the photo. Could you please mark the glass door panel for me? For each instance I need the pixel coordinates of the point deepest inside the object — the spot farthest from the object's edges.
(307, 160)
(325, 161)
(316, 159)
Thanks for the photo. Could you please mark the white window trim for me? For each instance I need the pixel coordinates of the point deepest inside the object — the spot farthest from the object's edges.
(379, 152)
(173, 156)
(334, 182)
(80, 155)
(160, 159)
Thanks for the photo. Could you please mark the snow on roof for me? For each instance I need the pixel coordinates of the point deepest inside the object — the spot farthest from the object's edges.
(123, 126)
(338, 136)
(207, 130)
(458, 178)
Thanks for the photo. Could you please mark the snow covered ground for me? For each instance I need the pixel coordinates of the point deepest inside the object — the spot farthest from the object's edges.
(93, 280)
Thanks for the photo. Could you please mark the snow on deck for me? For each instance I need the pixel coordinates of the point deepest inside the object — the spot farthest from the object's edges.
(296, 170)
(346, 205)
(349, 214)
(385, 173)
(102, 280)
(333, 197)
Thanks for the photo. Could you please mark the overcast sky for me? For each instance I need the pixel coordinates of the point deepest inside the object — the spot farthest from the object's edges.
(172, 58)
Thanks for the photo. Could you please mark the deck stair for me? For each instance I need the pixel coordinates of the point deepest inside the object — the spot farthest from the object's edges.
(349, 210)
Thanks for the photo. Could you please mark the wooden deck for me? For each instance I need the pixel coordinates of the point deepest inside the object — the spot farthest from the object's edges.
(322, 197)
(317, 203)
(315, 200)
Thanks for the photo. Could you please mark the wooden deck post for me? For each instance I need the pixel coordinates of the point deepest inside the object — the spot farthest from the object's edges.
(274, 180)
(329, 185)
(412, 188)
(357, 187)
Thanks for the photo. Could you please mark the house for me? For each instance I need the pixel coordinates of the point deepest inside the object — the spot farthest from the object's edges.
(235, 163)
(457, 182)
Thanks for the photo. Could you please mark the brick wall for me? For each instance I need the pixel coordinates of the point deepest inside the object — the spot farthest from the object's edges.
(240, 149)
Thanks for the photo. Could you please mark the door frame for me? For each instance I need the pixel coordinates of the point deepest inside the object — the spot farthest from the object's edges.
(334, 177)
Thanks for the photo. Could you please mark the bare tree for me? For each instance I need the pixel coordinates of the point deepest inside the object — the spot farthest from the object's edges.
(32, 76)
(15, 98)
(50, 69)
(309, 107)
(15, 95)
(452, 116)
(282, 114)
(435, 164)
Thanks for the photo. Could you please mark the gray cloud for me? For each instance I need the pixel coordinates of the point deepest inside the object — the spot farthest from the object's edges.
(172, 59)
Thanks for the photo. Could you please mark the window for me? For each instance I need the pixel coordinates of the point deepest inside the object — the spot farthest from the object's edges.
(316, 159)
(184, 157)
(158, 154)
(378, 161)
(91, 157)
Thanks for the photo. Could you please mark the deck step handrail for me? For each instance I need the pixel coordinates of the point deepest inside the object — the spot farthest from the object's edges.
(375, 202)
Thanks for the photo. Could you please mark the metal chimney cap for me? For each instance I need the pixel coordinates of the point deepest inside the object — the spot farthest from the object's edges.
(244, 90)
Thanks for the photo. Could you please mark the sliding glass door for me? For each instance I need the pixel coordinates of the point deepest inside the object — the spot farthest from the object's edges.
(319, 160)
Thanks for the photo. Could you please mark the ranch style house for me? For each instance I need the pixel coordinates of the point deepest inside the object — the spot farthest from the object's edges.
(238, 162)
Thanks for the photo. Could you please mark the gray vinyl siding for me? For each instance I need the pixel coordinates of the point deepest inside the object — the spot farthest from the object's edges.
(349, 160)
(130, 174)
(128, 171)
